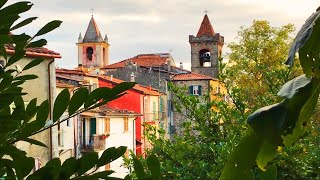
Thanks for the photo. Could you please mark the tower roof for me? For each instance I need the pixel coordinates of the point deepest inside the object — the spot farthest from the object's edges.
(92, 33)
(206, 28)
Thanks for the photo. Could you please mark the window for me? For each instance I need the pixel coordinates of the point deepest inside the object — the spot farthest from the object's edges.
(89, 53)
(126, 124)
(107, 125)
(218, 89)
(195, 90)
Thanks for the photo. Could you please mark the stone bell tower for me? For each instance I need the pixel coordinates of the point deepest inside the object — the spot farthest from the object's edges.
(93, 50)
(206, 49)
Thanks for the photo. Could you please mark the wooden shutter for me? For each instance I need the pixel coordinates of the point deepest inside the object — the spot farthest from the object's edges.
(200, 90)
(191, 90)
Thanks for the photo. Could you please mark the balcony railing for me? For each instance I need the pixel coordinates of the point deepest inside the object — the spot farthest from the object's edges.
(94, 143)
(154, 116)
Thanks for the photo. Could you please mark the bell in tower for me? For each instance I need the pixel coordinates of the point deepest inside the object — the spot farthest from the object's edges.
(206, 49)
(93, 50)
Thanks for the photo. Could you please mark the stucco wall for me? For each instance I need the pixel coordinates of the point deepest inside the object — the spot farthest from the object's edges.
(39, 88)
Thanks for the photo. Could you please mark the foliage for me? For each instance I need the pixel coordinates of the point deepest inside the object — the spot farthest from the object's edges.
(281, 124)
(256, 66)
(19, 121)
(200, 148)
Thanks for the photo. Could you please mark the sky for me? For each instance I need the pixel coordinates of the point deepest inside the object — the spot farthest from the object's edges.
(153, 26)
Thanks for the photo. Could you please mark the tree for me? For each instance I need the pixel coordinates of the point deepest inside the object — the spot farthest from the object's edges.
(284, 123)
(20, 122)
(256, 66)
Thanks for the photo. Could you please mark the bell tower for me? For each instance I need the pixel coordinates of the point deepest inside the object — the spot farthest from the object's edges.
(206, 49)
(93, 50)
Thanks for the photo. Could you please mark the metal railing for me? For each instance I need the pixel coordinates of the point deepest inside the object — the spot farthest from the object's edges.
(94, 143)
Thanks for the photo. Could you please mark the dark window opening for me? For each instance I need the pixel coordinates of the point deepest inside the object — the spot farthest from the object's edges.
(89, 53)
(205, 58)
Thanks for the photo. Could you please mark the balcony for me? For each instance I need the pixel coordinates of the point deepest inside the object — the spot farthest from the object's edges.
(154, 116)
(94, 143)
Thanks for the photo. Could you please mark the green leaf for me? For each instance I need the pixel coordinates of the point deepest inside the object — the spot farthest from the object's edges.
(78, 99)
(270, 173)
(96, 95)
(16, 8)
(38, 43)
(49, 27)
(242, 158)
(267, 152)
(32, 141)
(305, 113)
(9, 95)
(61, 103)
(3, 2)
(33, 63)
(32, 107)
(68, 168)
(110, 155)
(26, 77)
(290, 88)
(43, 113)
(302, 37)
(87, 161)
(23, 23)
(50, 171)
(138, 168)
(102, 175)
(122, 87)
(4, 39)
(19, 54)
(154, 166)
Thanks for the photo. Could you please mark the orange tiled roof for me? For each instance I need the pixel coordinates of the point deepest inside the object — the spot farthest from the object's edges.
(206, 28)
(191, 76)
(35, 52)
(147, 60)
(69, 71)
(137, 87)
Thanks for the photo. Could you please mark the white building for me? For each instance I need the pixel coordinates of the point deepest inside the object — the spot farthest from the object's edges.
(105, 128)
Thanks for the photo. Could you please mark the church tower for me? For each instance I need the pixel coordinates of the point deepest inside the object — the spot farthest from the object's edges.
(93, 50)
(206, 49)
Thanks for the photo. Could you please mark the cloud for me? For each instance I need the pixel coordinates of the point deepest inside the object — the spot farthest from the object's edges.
(146, 26)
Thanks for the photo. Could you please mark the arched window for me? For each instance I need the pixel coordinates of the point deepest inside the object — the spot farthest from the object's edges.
(205, 58)
(89, 53)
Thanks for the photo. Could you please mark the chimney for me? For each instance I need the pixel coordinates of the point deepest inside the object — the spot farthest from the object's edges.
(149, 87)
(181, 65)
(111, 77)
(132, 77)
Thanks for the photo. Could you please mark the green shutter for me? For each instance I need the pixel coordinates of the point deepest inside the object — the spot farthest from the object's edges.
(200, 90)
(191, 90)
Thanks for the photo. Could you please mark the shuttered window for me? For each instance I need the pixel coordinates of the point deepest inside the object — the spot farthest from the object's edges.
(195, 90)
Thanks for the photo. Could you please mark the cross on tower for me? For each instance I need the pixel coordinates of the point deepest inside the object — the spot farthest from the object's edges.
(92, 11)
(206, 11)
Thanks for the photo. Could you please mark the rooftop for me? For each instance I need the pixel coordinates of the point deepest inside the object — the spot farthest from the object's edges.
(35, 52)
(137, 87)
(191, 76)
(206, 28)
(146, 60)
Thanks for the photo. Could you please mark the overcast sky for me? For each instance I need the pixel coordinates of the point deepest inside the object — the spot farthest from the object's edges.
(157, 26)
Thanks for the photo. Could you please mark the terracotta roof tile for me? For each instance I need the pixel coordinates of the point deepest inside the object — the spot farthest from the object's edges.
(38, 52)
(191, 76)
(69, 71)
(146, 60)
(137, 87)
(206, 28)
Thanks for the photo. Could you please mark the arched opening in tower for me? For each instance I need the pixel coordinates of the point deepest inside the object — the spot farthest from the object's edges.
(89, 53)
(205, 58)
